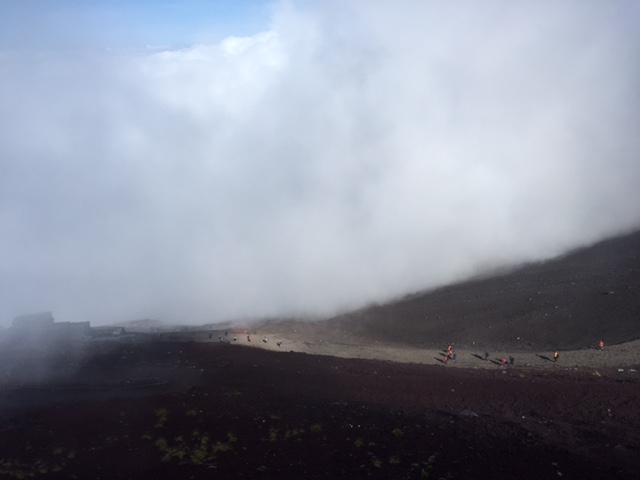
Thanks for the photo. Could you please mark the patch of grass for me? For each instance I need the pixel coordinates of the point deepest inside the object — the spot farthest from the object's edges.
(291, 433)
(192, 413)
(394, 460)
(171, 454)
(198, 451)
(162, 415)
(221, 447)
(358, 443)
(199, 456)
(425, 467)
(315, 428)
(19, 470)
(397, 432)
(161, 443)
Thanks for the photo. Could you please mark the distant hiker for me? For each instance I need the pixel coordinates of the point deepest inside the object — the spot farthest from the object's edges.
(248, 338)
(453, 356)
(279, 343)
(511, 360)
(485, 356)
(209, 335)
(446, 358)
(449, 350)
(235, 338)
(555, 357)
(504, 362)
(601, 345)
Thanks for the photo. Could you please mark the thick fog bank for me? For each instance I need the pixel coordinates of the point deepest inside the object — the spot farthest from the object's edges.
(353, 152)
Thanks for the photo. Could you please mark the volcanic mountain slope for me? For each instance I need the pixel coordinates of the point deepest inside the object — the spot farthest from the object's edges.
(570, 302)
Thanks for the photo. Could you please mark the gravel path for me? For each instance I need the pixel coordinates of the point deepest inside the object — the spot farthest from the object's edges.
(625, 356)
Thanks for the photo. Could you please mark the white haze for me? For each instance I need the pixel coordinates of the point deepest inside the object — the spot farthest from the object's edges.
(354, 152)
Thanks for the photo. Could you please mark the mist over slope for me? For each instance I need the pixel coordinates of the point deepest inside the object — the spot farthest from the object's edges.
(348, 153)
(572, 301)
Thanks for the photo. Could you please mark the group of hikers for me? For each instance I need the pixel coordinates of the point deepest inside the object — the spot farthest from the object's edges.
(451, 355)
(556, 355)
(235, 338)
(505, 361)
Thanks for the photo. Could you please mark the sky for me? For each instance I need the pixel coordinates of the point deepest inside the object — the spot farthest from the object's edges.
(194, 161)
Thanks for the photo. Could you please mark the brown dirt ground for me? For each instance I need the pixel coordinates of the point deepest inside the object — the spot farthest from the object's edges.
(204, 409)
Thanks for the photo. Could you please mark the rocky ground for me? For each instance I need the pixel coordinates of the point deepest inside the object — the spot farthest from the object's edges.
(207, 409)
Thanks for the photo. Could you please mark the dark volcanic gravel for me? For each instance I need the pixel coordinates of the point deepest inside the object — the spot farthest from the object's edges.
(233, 412)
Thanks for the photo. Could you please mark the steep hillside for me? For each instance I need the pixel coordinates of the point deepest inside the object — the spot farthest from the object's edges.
(569, 302)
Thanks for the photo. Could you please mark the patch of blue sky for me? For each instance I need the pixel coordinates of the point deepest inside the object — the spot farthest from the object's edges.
(55, 24)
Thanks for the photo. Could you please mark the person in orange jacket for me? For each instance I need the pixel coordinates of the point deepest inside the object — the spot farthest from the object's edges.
(601, 344)
(555, 356)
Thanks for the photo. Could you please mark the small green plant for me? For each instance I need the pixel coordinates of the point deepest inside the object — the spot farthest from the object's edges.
(425, 467)
(161, 443)
(162, 415)
(315, 428)
(292, 433)
(220, 447)
(358, 443)
(394, 460)
(196, 450)
(19, 470)
(192, 413)
(397, 432)
(199, 454)
(173, 452)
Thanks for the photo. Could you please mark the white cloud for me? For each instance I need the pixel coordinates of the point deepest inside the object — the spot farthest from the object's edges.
(353, 153)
